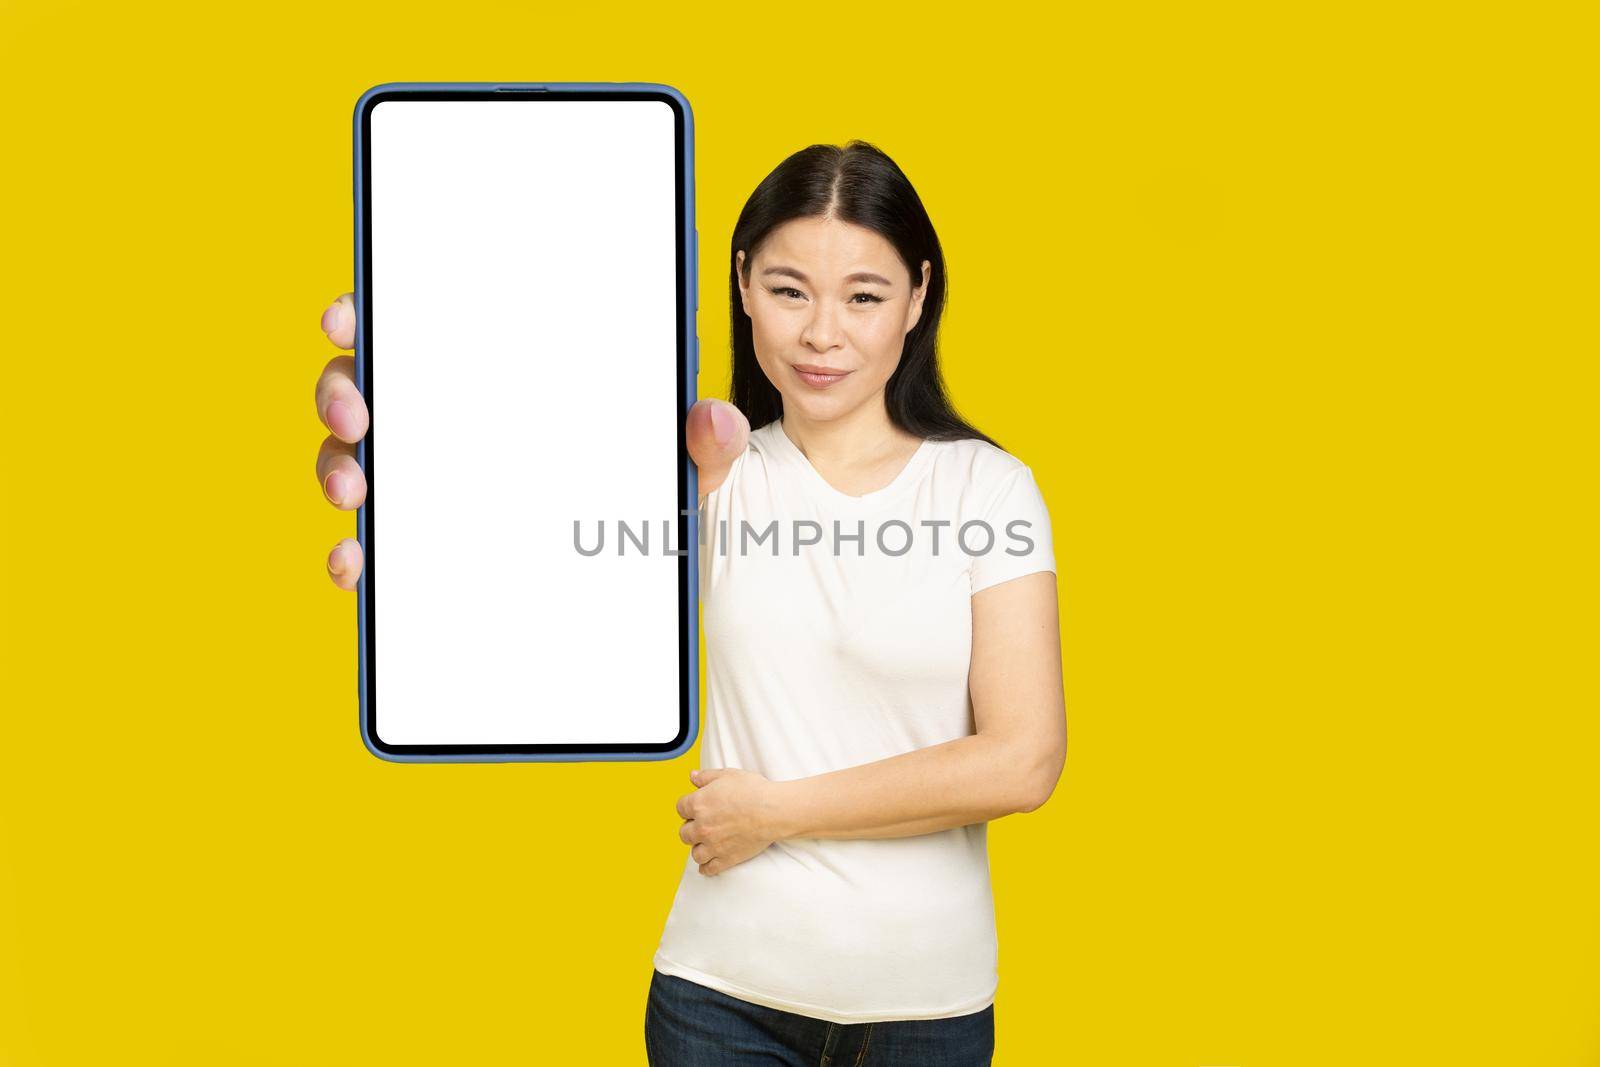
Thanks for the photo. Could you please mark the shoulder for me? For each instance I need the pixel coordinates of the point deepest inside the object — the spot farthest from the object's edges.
(759, 462)
(977, 471)
(763, 439)
(764, 456)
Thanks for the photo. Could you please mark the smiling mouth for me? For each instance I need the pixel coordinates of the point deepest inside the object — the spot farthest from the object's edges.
(821, 377)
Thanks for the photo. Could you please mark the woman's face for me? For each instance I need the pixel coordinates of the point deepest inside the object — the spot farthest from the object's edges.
(828, 296)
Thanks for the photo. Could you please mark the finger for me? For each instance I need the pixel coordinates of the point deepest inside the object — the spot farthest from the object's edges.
(683, 806)
(709, 869)
(344, 563)
(339, 321)
(340, 404)
(701, 853)
(716, 433)
(343, 482)
(689, 833)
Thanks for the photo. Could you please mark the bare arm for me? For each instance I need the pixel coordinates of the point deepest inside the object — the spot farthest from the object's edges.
(1011, 764)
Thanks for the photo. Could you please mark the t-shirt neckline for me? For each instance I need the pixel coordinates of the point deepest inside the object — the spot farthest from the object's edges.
(820, 485)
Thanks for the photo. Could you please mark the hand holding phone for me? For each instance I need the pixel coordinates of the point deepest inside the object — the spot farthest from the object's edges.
(715, 430)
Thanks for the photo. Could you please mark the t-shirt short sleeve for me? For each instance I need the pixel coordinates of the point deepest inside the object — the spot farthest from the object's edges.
(1022, 536)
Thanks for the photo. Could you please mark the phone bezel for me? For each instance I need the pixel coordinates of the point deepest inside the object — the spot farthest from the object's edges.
(531, 94)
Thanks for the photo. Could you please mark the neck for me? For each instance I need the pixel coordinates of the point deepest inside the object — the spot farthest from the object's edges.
(860, 438)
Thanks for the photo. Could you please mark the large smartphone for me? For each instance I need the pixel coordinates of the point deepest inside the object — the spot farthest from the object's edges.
(525, 303)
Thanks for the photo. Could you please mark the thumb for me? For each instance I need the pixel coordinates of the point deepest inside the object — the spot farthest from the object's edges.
(703, 777)
(716, 433)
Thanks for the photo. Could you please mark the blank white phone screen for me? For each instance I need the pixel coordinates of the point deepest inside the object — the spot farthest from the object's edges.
(524, 364)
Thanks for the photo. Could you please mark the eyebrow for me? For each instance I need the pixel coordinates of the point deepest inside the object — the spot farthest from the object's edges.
(858, 276)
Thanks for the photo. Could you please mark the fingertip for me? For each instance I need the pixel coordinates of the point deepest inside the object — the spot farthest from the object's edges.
(333, 487)
(344, 564)
(343, 421)
(722, 424)
(338, 321)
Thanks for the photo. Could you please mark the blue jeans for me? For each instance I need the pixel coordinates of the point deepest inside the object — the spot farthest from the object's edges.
(690, 1025)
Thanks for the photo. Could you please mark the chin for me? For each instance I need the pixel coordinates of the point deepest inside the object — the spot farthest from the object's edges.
(818, 408)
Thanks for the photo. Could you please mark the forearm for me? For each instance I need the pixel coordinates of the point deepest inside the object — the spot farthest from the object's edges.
(972, 779)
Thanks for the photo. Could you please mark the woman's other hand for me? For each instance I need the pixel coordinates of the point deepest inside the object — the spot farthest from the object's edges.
(732, 815)
(343, 411)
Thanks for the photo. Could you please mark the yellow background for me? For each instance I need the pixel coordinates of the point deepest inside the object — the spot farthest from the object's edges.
(1290, 309)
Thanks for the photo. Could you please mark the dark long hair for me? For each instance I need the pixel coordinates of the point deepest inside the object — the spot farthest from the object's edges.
(858, 184)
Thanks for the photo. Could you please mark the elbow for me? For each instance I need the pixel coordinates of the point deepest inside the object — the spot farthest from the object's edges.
(1042, 783)
(1035, 799)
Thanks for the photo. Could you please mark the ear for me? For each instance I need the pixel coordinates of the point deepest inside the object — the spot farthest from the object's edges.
(916, 297)
(744, 289)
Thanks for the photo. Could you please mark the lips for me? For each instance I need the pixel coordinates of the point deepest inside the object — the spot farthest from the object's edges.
(818, 376)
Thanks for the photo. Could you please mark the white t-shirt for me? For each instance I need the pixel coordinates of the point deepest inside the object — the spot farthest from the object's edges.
(818, 660)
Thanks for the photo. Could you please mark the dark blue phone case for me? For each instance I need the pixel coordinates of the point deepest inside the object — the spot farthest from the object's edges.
(689, 366)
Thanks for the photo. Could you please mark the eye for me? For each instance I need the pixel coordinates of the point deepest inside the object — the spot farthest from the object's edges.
(870, 298)
(779, 290)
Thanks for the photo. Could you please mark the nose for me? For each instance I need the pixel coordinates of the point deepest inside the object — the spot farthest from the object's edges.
(822, 330)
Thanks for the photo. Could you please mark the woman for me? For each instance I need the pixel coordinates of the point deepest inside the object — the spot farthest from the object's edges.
(884, 671)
